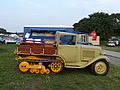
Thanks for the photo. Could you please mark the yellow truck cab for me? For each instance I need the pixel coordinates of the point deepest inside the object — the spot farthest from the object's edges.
(51, 56)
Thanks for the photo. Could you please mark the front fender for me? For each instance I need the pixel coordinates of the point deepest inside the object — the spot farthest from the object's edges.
(102, 57)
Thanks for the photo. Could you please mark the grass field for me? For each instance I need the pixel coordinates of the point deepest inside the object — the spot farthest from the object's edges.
(68, 79)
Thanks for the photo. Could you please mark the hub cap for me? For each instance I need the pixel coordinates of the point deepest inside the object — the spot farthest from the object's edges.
(56, 66)
(100, 67)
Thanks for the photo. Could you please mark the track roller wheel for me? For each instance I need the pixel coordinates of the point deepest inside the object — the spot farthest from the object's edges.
(37, 71)
(32, 70)
(47, 71)
(56, 66)
(42, 72)
(23, 66)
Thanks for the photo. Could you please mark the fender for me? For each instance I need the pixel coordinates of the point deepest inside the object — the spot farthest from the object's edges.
(61, 58)
(102, 57)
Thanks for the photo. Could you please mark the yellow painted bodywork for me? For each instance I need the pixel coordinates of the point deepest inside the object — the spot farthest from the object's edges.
(73, 55)
(79, 55)
(29, 57)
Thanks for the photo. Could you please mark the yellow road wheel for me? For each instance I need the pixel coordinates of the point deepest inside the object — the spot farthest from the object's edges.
(23, 66)
(47, 71)
(37, 71)
(41, 71)
(32, 70)
(56, 66)
(100, 67)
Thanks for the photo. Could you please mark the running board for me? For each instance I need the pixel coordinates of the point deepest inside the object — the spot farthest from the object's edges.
(71, 66)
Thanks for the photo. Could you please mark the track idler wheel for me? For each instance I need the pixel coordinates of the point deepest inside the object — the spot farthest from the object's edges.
(56, 66)
(23, 66)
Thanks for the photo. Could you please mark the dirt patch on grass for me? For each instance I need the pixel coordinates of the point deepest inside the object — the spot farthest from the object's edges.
(32, 85)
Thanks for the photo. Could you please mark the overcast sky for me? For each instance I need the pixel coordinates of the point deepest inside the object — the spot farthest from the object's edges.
(14, 14)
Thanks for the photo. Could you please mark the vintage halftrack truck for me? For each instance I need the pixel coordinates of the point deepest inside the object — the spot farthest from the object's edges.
(51, 56)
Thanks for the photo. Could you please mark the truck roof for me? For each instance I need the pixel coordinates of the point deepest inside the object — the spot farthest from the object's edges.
(49, 26)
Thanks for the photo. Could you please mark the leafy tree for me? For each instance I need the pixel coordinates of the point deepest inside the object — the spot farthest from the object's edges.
(101, 22)
(2, 30)
(116, 23)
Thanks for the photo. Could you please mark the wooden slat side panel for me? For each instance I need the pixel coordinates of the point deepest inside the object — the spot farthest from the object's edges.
(49, 50)
(24, 48)
(37, 49)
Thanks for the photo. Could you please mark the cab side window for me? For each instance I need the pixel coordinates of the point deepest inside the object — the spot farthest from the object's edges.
(67, 40)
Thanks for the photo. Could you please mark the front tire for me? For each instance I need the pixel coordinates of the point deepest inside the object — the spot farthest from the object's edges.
(100, 68)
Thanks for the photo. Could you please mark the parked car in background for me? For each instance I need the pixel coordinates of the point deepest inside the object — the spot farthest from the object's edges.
(116, 42)
(2, 40)
(111, 44)
(9, 40)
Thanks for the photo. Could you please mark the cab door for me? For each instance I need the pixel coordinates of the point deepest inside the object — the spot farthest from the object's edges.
(68, 49)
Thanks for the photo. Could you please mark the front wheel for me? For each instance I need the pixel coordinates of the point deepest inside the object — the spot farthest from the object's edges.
(100, 67)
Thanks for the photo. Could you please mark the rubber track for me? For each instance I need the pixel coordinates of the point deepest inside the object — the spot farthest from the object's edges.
(28, 60)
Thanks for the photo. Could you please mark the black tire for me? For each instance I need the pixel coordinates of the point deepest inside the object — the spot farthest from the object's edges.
(94, 66)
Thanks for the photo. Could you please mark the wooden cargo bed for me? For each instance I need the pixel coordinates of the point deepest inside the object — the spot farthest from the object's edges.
(36, 48)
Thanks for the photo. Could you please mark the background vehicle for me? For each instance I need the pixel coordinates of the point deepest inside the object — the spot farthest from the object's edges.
(9, 40)
(2, 40)
(111, 43)
(51, 56)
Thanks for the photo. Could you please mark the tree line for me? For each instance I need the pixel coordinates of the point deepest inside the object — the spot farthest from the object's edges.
(105, 25)
(2, 30)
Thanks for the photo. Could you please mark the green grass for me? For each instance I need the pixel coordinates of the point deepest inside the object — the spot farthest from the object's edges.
(69, 79)
(116, 48)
